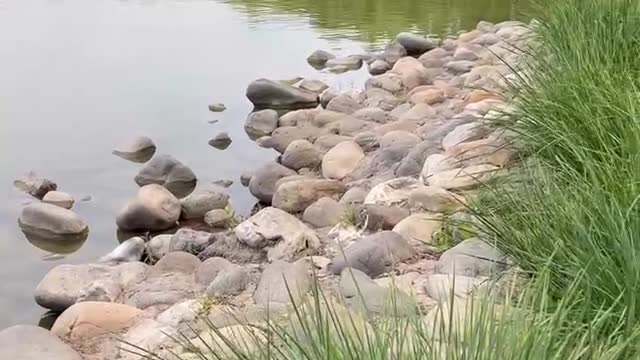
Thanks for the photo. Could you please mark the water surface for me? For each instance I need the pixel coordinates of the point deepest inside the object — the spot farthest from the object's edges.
(80, 76)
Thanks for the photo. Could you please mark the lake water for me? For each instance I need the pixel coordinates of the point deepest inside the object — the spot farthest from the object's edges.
(77, 77)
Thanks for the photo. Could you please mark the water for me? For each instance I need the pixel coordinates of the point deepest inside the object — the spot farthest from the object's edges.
(77, 77)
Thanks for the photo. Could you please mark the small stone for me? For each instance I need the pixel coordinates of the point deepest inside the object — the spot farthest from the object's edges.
(245, 179)
(211, 268)
(59, 198)
(34, 185)
(369, 141)
(218, 218)
(393, 192)
(379, 67)
(361, 293)
(295, 196)
(230, 283)
(225, 183)
(349, 63)
(343, 103)
(138, 149)
(463, 133)
(462, 178)
(355, 195)
(460, 66)
(270, 94)
(319, 57)
(159, 246)
(301, 154)
(384, 217)
(191, 241)
(393, 52)
(440, 287)
(164, 170)
(220, 141)
(52, 223)
(218, 107)
(202, 201)
(263, 183)
(435, 199)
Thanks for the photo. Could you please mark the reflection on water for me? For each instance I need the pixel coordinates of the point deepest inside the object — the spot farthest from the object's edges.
(52, 244)
(375, 21)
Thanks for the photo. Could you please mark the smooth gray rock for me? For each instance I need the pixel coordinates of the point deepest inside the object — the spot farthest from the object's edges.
(301, 154)
(318, 58)
(459, 66)
(129, 250)
(217, 107)
(159, 246)
(263, 183)
(261, 123)
(385, 217)
(373, 114)
(416, 44)
(166, 171)
(221, 141)
(373, 254)
(379, 67)
(283, 282)
(361, 293)
(231, 282)
(191, 241)
(349, 63)
(218, 218)
(368, 141)
(202, 201)
(327, 96)
(295, 196)
(265, 93)
(393, 52)
(28, 342)
(52, 223)
(137, 149)
(34, 185)
(324, 212)
(472, 257)
(355, 195)
(153, 208)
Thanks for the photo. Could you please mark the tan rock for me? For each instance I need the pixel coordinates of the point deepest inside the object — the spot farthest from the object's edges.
(419, 228)
(435, 199)
(341, 160)
(463, 178)
(429, 96)
(90, 319)
(485, 151)
(478, 95)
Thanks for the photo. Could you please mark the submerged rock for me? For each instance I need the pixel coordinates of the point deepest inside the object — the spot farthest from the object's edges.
(166, 171)
(59, 198)
(52, 228)
(220, 141)
(34, 185)
(138, 149)
(218, 107)
(318, 58)
(154, 208)
(265, 93)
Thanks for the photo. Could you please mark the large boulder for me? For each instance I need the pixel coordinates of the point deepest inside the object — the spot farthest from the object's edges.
(53, 224)
(153, 208)
(64, 285)
(287, 237)
(263, 183)
(416, 44)
(472, 257)
(283, 283)
(295, 196)
(29, 342)
(265, 93)
(89, 319)
(261, 123)
(341, 160)
(137, 149)
(301, 154)
(202, 201)
(34, 185)
(373, 254)
(166, 171)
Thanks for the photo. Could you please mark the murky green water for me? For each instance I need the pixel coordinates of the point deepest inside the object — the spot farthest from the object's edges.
(80, 76)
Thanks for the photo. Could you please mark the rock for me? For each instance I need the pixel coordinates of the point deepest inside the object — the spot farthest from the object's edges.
(459, 66)
(462, 133)
(202, 201)
(399, 138)
(485, 151)
(283, 136)
(384, 217)
(245, 178)
(89, 319)
(373, 254)
(434, 58)
(298, 117)
(271, 225)
(154, 208)
(52, 228)
(484, 26)
(58, 198)
(440, 287)
(130, 250)
(462, 178)
(211, 268)
(419, 228)
(429, 96)
(315, 86)
(355, 195)
(406, 125)
(28, 342)
(191, 241)
(349, 62)
(416, 44)
(327, 96)
(263, 183)
(393, 52)
(261, 123)
(166, 171)
(231, 249)
(318, 58)
(343, 103)
(64, 285)
(472, 257)
(265, 93)
(390, 82)
(159, 246)
(465, 53)
(34, 185)
(349, 126)
(393, 192)
(373, 114)
(218, 107)
(175, 262)
(138, 149)
(218, 218)
(413, 162)
(324, 143)
(341, 160)
(296, 196)
(324, 212)
(230, 283)
(419, 112)
(368, 141)
(301, 154)
(436, 163)
(435, 199)
(412, 72)
(220, 141)
(282, 283)
(380, 163)
(486, 39)
(360, 292)
(379, 67)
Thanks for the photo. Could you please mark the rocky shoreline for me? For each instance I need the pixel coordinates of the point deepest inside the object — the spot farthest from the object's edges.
(368, 192)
